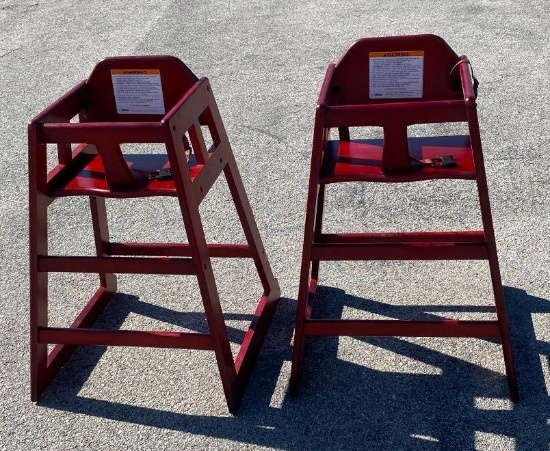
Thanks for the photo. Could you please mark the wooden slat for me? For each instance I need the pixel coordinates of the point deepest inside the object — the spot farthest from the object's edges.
(180, 249)
(122, 265)
(473, 236)
(399, 251)
(397, 328)
(92, 132)
(408, 113)
(152, 339)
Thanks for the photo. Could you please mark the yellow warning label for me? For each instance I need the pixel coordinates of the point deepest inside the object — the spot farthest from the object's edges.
(404, 53)
(396, 74)
(135, 72)
(138, 91)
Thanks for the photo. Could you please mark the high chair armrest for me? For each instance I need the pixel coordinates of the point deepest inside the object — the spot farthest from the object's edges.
(325, 94)
(97, 132)
(467, 81)
(190, 106)
(64, 108)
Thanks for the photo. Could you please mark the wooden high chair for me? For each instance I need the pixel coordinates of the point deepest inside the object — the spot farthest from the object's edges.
(146, 99)
(392, 83)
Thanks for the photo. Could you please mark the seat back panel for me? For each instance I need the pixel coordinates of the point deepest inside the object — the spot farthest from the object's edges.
(351, 81)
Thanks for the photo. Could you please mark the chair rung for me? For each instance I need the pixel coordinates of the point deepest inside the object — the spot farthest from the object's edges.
(397, 328)
(180, 249)
(400, 251)
(151, 339)
(474, 236)
(123, 265)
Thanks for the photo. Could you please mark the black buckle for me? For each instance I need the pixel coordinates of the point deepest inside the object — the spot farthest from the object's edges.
(444, 161)
(161, 174)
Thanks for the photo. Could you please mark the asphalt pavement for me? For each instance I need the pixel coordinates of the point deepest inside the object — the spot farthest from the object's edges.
(266, 61)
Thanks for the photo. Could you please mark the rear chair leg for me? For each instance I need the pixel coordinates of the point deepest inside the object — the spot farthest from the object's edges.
(107, 281)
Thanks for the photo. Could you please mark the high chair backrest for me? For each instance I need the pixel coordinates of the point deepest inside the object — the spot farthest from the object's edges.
(392, 83)
(134, 89)
(352, 84)
(131, 89)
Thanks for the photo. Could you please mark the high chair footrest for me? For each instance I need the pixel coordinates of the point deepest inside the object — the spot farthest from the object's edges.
(397, 328)
(151, 339)
(124, 265)
(399, 251)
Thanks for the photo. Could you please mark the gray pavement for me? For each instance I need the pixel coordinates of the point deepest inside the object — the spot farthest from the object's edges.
(266, 61)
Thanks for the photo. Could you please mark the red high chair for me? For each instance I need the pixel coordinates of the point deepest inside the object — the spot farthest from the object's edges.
(392, 83)
(149, 99)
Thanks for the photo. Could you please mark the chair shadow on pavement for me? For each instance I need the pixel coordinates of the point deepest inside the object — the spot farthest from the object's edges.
(344, 404)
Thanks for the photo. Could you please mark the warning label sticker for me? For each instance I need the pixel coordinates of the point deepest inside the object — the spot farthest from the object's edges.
(396, 75)
(138, 91)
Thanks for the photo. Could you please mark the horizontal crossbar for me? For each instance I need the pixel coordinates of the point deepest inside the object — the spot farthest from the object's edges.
(124, 265)
(434, 111)
(151, 339)
(400, 251)
(179, 249)
(398, 328)
(473, 236)
(90, 132)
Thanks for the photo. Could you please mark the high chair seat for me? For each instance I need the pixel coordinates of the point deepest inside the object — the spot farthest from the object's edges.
(361, 160)
(88, 175)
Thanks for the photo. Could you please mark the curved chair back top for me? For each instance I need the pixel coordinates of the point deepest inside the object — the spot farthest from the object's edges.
(173, 76)
(350, 84)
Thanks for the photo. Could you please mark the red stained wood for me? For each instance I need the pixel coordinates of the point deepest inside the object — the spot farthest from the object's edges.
(448, 95)
(91, 163)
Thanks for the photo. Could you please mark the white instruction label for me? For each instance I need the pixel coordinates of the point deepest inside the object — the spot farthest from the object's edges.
(396, 75)
(138, 91)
